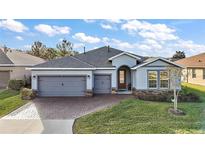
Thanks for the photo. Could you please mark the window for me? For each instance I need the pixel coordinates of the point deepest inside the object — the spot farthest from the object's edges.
(152, 79)
(164, 79)
(122, 76)
(204, 73)
(193, 73)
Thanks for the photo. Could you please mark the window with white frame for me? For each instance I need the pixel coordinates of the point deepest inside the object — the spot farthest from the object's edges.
(193, 73)
(152, 79)
(164, 79)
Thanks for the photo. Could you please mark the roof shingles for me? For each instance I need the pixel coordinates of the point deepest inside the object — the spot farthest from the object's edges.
(94, 58)
(4, 58)
(193, 61)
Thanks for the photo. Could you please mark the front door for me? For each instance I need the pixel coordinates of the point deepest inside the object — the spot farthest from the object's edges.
(122, 79)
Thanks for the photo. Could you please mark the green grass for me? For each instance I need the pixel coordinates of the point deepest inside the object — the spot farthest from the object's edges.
(143, 117)
(9, 101)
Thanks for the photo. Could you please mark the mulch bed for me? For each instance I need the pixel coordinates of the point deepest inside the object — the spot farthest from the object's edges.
(176, 112)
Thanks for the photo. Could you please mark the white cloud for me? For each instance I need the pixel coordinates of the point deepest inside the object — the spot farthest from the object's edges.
(122, 45)
(116, 21)
(78, 45)
(52, 30)
(106, 26)
(89, 20)
(147, 30)
(19, 38)
(13, 25)
(189, 46)
(82, 37)
(27, 47)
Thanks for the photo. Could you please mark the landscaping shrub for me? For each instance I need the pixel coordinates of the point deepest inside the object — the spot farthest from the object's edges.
(166, 96)
(16, 84)
(27, 94)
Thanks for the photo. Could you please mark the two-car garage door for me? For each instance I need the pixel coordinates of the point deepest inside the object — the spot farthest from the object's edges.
(61, 85)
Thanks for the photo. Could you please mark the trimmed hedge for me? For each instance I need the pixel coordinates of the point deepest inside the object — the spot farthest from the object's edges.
(27, 94)
(166, 96)
(16, 84)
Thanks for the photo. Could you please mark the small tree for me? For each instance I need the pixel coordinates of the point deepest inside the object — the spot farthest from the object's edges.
(38, 49)
(178, 55)
(175, 74)
(65, 48)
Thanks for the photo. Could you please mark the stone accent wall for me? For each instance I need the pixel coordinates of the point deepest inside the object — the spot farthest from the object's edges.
(89, 93)
(153, 95)
(147, 92)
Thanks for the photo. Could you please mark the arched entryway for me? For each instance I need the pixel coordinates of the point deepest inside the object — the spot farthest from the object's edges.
(124, 78)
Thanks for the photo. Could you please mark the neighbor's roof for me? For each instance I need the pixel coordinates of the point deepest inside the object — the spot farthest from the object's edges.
(21, 58)
(193, 61)
(4, 59)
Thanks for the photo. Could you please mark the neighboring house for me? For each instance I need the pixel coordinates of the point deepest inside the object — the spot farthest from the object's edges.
(194, 71)
(13, 64)
(100, 71)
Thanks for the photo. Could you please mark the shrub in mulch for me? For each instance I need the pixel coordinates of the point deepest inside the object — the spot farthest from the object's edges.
(166, 96)
(27, 94)
(16, 84)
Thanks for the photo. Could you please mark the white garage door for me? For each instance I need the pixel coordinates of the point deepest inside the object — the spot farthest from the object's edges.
(61, 85)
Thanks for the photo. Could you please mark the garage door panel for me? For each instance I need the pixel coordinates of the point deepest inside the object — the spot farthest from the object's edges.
(62, 86)
(102, 84)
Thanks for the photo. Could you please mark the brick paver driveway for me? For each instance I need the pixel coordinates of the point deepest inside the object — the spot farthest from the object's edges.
(54, 115)
(65, 107)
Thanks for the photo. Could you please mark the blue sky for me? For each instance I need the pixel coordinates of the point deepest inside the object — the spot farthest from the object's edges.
(143, 37)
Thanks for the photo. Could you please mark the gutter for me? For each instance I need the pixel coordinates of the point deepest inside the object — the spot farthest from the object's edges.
(40, 68)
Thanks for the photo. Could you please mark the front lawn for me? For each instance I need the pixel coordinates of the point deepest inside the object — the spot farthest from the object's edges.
(9, 101)
(143, 117)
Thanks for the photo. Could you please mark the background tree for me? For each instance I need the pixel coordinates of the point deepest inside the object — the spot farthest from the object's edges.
(6, 49)
(50, 54)
(38, 49)
(65, 48)
(178, 55)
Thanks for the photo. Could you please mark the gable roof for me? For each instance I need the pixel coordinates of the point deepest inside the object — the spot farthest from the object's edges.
(24, 59)
(65, 62)
(4, 59)
(193, 61)
(153, 59)
(125, 53)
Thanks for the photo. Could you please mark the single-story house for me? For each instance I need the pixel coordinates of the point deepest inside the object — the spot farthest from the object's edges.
(100, 71)
(13, 64)
(194, 71)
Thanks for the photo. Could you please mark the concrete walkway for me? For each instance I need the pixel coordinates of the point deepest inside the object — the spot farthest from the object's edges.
(36, 126)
